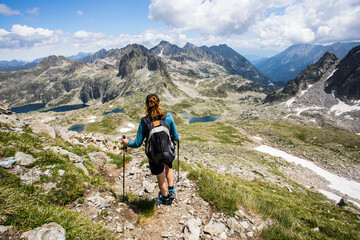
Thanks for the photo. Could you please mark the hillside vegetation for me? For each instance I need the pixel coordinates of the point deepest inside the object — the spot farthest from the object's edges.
(218, 157)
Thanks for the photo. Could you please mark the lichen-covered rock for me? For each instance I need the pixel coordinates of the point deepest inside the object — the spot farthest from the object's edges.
(24, 159)
(50, 231)
(42, 128)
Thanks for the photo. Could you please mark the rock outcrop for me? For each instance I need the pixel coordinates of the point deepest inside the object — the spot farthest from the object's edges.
(4, 108)
(221, 55)
(345, 82)
(310, 75)
(50, 231)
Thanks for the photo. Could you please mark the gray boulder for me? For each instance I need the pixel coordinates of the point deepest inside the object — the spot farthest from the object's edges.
(8, 162)
(4, 229)
(233, 224)
(344, 201)
(148, 186)
(214, 229)
(99, 158)
(4, 108)
(24, 159)
(192, 229)
(42, 128)
(72, 156)
(51, 231)
(61, 133)
(11, 120)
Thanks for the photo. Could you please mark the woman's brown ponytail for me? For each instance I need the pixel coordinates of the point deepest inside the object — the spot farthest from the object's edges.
(153, 110)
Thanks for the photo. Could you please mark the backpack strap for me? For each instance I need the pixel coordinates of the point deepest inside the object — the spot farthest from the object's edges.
(148, 123)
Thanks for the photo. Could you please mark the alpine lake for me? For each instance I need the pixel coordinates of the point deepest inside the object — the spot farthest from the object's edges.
(193, 119)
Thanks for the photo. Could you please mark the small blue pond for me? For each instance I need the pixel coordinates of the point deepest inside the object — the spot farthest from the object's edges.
(77, 128)
(193, 119)
(66, 108)
(138, 102)
(116, 110)
(28, 108)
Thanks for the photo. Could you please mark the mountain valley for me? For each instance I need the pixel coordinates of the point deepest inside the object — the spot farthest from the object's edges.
(228, 188)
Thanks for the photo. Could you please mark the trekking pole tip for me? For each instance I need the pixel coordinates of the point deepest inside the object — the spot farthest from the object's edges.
(123, 198)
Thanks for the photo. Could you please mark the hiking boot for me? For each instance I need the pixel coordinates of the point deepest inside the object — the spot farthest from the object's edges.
(164, 200)
(172, 194)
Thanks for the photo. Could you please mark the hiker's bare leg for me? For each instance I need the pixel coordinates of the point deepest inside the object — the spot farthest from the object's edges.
(162, 183)
(169, 173)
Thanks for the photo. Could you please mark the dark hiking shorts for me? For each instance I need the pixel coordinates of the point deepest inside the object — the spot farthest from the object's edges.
(157, 169)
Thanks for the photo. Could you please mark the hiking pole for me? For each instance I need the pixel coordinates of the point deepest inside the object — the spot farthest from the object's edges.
(178, 146)
(123, 197)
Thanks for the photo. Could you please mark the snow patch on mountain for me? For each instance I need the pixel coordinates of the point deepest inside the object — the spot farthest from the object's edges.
(342, 107)
(341, 184)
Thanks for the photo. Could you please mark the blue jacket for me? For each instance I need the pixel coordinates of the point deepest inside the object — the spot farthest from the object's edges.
(141, 133)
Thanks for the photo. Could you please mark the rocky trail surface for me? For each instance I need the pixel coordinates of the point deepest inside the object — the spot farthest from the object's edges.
(189, 217)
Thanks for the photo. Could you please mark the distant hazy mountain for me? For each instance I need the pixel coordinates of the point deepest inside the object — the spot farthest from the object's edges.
(6, 65)
(15, 65)
(90, 59)
(345, 82)
(255, 59)
(79, 56)
(222, 55)
(289, 63)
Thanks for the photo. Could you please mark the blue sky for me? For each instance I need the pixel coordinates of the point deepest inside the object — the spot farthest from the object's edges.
(109, 16)
(32, 29)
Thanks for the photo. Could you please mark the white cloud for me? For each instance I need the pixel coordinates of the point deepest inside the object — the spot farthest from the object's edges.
(218, 17)
(5, 10)
(79, 12)
(34, 11)
(276, 23)
(35, 41)
(311, 21)
(22, 36)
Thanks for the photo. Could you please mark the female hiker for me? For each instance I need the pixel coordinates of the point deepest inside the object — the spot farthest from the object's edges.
(155, 117)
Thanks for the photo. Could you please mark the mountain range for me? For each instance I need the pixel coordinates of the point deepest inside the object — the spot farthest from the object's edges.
(177, 73)
(16, 65)
(276, 70)
(222, 55)
(106, 75)
(290, 62)
(59, 80)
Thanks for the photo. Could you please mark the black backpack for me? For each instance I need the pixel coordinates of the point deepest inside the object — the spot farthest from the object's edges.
(159, 147)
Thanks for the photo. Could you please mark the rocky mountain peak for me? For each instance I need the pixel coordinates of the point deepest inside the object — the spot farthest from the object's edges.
(137, 57)
(327, 58)
(189, 46)
(53, 61)
(345, 82)
(166, 49)
(101, 54)
(310, 75)
(223, 55)
(164, 43)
